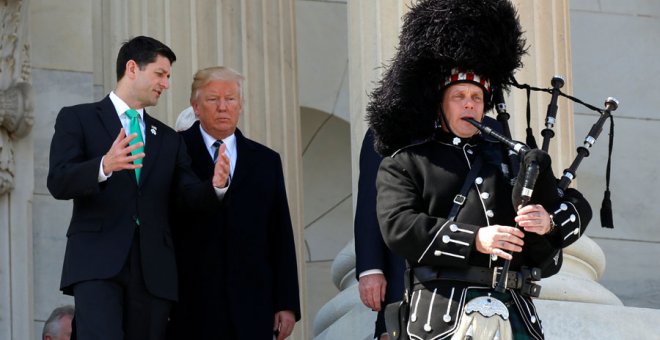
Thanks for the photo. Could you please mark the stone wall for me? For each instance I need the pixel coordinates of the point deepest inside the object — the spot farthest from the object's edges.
(613, 55)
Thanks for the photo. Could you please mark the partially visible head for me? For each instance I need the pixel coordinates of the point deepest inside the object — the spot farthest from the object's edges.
(58, 325)
(217, 98)
(185, 120)
(143, 71)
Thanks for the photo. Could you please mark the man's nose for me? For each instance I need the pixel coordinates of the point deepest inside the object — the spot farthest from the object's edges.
(165, 83)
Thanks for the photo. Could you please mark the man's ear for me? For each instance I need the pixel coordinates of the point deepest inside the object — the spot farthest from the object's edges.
(131, 69)
(194, 105)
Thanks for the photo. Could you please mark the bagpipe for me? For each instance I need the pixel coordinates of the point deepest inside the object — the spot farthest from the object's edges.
(533, 161)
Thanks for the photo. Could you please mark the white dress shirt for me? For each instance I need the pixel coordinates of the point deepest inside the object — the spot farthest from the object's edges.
(230, 150)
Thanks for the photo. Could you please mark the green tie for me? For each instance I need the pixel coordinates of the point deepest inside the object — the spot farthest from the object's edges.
(134, 127)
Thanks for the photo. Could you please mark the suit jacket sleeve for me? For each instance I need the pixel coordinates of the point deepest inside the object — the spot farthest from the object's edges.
(194, 194)
(283, 250)
(370, 249)
(72, 171)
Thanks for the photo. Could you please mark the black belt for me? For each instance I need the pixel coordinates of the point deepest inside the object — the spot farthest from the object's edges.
(488, 277)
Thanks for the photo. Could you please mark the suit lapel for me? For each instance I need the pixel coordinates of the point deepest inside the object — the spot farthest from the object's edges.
(202, 161)
(245, 160)
(197, 144)
(153, 142)
(109, 118)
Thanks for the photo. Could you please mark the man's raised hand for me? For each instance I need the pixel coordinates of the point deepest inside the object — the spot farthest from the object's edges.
(119, 156)
(221, 169)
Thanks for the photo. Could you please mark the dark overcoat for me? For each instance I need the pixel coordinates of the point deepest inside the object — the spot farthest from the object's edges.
(237, 264)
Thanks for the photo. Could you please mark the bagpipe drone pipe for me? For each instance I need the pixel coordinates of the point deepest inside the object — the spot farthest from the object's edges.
(534, 166)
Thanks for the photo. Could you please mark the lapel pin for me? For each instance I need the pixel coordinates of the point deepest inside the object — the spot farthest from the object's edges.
(153, 130)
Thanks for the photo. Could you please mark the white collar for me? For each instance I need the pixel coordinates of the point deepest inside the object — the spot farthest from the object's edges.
(230, 141)
(121, 106)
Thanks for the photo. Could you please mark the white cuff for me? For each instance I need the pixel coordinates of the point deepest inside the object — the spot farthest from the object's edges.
(102, 177)
(370, 272)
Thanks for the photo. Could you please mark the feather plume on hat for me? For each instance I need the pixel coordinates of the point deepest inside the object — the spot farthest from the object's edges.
(438, 36)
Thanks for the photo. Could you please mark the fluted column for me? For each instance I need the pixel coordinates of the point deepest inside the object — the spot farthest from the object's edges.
(16, 174)
(547, 27)
(373, 34)
(255, 37)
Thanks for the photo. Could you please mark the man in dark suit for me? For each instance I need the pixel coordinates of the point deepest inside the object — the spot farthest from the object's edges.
(119, 263)
(237, 265)
(378, 270)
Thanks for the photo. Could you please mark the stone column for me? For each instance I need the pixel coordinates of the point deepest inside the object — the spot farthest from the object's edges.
(547, 27)
(373, 34)
(16, 174)
(257, 38)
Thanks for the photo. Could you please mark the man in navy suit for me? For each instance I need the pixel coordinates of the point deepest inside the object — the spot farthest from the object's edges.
(378, 270)
(119, 263)
(237, 265)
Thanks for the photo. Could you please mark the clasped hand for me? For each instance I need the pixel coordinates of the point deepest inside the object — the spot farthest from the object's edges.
(499, 240)
(221, 169)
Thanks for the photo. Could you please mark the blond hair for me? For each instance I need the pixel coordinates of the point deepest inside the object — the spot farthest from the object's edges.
(209, 74)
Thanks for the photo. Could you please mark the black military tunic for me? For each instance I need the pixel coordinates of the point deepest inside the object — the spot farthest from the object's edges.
(416, 191)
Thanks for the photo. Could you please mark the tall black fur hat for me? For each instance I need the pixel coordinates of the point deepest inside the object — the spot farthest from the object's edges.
(482, 36)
